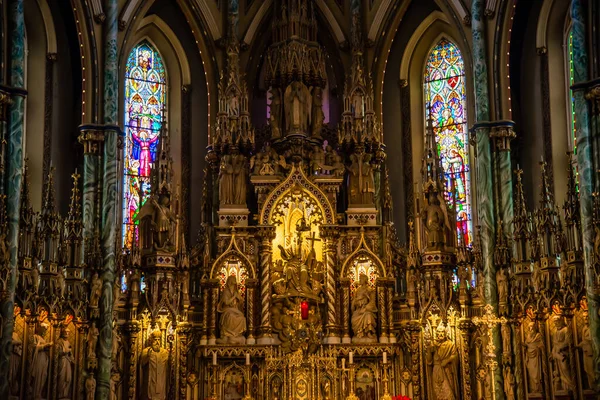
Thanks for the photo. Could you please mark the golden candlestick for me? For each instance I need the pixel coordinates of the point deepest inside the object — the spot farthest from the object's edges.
(385, 381)
(214, 382)
(351, 396)
(247, 395)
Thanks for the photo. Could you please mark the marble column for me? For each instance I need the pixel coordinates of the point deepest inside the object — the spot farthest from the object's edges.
(109, 197)
(585, 167)
(483, 169)
(502, 132)
(13, 172)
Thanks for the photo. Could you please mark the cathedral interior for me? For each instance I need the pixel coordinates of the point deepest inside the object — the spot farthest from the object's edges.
(299, 199)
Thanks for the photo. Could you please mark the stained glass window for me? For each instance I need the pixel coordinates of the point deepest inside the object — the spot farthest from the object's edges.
(145, 96)
(445, 99)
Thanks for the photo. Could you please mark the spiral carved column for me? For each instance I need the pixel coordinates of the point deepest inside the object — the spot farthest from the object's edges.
(183, 332)
(465, 330)
(267, 234)
(383, 310)
(205, 292)
(250, 301)
(345, 284)
(330, 235)
(390, 306)
(132, 329)
(214, 300)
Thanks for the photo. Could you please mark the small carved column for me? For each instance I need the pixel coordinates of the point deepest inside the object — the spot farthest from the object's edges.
(465, 328)
(390, 306)
(78, 375)
(205, 313)
(183, 332)
(382, 305)
(214, 300)
(250, 301)
(330, 234)
(267, 234)
(132, 329)
(345, 285)
(414, 330)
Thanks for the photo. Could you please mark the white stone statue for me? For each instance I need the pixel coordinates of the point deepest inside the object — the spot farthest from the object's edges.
(502, 281)
(154, 363)
(275, 116)
(40, 361)
(442, 358)
(92, 340)
(509, 383)
(561, 343)
(95, 290)
(233, 321)
(534, 353)
(226, 189)
(364, 313)
(163, 221)
(14, 372)
(65, 365)
(587, 351)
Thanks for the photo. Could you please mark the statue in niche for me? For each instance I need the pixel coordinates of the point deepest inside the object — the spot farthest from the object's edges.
(233, 321)
(65, 365)
(90, 387)
(163, 221)
(296, 101)
(587, 350)
(442, 358)
(361, 179)
(95, 290)
(561, 343)
(154, 363)
(317, 160)
(509, 383)
(326, 389)
(297, 273)
(276, 388)
(92, 340)
(364, 313)
(275, 117)
(318, 117)
(232, 179)
(266, 162)
(40, 361)
(505, 332)
(534, 354)
(436, 222)
(502, 281)
(14, 372)
(115, 381)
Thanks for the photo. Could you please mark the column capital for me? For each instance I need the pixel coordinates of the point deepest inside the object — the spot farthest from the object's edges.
(265, 232)
(502, 132)
(91, 137)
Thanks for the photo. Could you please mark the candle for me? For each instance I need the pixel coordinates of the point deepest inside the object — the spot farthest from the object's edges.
(351, 357)
(304, 310)
(215, 358)
(385, 357)
(343, 363)
(247, 358)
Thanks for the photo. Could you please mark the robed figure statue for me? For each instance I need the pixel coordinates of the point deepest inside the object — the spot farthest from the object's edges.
(364, 313)
(40, 361)
(233, 321)
(442, 360)
(154, 365)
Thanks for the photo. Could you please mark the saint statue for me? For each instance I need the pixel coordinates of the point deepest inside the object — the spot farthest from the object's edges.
(361, 179)
(40, 361)
(233, 321)
(436, 222)
(318, 117)
(14, 371)
(561, 343)
(442, 357)
(154, 363)
(65, 365)
(232, 179)
(364, 312)
(90, 387)
(95, 290)
(226, 181)
(534, 353)
(502, 281)
(275, 117)
(326, 389)
(92, 340)
(115, 380)
(163, 221)
(587, 351)
(509, 383)
(296, 107)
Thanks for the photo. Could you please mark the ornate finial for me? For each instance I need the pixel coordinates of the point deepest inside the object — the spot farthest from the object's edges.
(75, 206)
(547, 227)
(48, 206)
(432, 171)
(414, 256)
(501, 252)
(571, 206)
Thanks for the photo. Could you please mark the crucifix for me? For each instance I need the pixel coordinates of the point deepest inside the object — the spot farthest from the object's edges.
(313, 239)
(490, 321)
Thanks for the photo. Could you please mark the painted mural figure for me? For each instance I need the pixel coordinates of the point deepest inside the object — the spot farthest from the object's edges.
(534, 351)
(442, 357)
(154, 363)
(233, 321)
(364, 312)
(40, 361)
(561, 342)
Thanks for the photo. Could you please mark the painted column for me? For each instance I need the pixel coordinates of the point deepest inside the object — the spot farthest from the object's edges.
(13, 172)
(483, 169)
(502, 132)
(586, 169)
(109, 197)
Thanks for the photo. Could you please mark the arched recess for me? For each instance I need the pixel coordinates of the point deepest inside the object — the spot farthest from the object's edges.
(404, 120)
(552, 35)
(162, 38)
